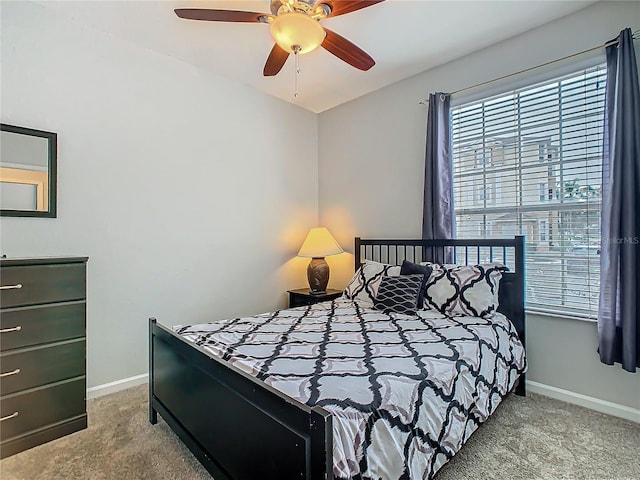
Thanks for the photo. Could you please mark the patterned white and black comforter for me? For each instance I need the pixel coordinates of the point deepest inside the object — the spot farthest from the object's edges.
(405, 392)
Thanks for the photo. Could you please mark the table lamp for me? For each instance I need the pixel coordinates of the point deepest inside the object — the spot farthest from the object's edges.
(318, 244)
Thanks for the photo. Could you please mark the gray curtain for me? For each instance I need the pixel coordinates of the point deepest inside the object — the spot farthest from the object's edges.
(619, 309)
(437, 215)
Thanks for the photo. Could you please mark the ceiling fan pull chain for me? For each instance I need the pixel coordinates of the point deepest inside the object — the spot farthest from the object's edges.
(296, 51)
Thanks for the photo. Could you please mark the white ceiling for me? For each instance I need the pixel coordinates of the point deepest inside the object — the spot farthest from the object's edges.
(405, 37)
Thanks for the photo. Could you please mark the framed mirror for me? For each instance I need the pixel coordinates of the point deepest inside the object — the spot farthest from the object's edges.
(28, 161)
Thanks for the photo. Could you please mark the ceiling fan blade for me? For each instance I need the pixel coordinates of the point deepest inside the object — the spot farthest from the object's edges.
(347, 51)
(218, 15)
(340, 7)
(275, 62)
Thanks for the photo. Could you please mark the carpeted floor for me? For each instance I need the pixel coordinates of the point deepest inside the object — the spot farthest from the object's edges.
(527, 438)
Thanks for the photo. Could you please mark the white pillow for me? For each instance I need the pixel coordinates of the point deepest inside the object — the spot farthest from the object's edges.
(366, 281)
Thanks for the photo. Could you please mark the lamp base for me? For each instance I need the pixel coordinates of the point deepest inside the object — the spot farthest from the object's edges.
(318, 275)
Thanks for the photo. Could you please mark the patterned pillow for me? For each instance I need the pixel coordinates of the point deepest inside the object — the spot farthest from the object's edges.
(399, 294)
(410, 268)
(464, 290)
(365, 282)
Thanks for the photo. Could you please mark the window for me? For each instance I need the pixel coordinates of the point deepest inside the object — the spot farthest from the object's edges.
(542, 227)
(483, 157)
(542, 190)
(545, 144)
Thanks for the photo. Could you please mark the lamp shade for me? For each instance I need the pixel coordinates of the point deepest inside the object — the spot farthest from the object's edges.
(319, 243)
(295, 29)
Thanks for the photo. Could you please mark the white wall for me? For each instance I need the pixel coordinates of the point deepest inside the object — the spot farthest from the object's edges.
(175, 182)
(371, 167)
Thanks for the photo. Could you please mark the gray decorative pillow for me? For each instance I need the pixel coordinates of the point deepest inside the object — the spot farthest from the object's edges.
(364, 284)
(399, 294)
(410, 268)
(464, 290)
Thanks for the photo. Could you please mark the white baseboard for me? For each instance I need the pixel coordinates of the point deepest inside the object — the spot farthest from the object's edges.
(593, 403)
(112, 387)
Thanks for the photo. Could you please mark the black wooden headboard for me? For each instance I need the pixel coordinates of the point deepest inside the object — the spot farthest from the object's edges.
(509, 252)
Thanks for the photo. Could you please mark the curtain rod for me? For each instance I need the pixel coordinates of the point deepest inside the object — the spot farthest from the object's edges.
(636, 35)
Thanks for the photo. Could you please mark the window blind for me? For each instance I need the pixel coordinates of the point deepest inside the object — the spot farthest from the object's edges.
(529, 162)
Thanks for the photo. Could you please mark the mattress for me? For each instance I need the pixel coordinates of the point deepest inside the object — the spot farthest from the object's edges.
(405, 392)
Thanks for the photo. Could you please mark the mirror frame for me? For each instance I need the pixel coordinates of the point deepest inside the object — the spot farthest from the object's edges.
(52, 141)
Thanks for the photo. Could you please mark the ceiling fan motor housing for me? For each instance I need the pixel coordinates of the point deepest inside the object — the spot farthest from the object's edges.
(302, 6)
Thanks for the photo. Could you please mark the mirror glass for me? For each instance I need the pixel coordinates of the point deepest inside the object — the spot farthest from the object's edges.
(27, 172)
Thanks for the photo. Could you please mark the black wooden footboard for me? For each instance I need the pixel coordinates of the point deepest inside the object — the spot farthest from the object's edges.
(238, 427)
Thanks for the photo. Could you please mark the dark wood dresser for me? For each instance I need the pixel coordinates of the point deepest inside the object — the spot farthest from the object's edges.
(42, 350)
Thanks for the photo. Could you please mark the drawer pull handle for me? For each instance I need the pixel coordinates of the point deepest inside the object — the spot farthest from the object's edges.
(12, 329)
(11, 287)
(8, 374)
(9, 417)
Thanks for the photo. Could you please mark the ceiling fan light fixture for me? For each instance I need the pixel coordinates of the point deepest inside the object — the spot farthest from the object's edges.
(294, 29)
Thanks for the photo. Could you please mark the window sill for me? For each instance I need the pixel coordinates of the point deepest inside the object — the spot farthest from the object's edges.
(566, 316)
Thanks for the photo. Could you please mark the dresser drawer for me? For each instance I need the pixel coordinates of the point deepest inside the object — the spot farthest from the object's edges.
(38, 408)
(32, 367)
(36, 284)
(25, 326)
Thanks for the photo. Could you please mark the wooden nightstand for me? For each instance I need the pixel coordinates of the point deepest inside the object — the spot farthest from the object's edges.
(303, 296)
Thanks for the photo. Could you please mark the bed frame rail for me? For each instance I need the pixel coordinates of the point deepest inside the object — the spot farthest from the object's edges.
(215, 408)
(510, 252)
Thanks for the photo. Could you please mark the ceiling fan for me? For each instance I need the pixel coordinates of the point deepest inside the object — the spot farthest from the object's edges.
(295, 27)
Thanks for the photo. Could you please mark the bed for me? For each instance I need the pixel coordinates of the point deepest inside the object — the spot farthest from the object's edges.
(256, 397)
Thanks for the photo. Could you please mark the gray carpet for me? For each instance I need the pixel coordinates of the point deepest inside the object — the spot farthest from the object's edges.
(527, 438)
